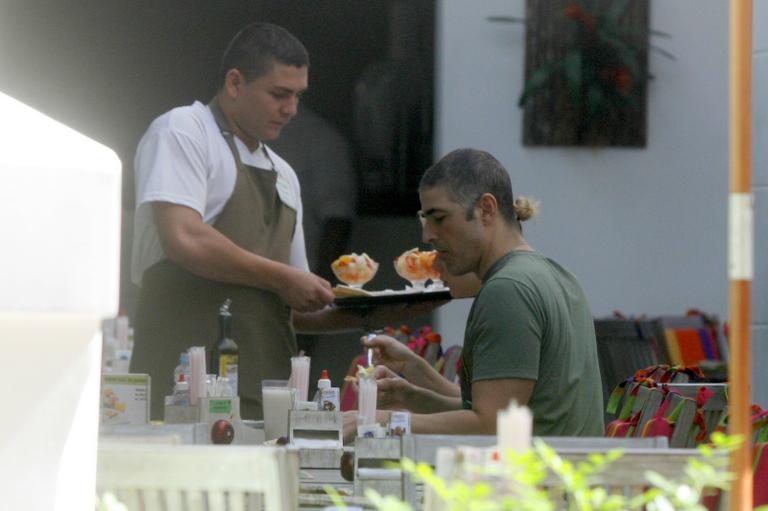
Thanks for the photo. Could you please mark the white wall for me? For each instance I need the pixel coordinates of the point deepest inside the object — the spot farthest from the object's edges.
(643, 229)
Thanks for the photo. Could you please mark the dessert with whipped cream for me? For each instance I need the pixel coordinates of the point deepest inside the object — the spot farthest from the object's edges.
(354, 269)
(416, 265)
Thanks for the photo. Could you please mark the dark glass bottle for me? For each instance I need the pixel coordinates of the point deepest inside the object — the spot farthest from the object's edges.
(225, 354)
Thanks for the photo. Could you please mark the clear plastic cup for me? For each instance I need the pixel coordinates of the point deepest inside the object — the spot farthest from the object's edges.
(277, 400)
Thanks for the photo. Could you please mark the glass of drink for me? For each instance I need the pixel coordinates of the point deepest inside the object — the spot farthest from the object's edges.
(277, 399)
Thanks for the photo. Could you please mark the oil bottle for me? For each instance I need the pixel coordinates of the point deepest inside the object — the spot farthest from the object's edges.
(226, 352)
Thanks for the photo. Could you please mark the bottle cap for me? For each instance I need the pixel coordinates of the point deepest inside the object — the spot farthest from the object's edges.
(324, 382)
(434, 338)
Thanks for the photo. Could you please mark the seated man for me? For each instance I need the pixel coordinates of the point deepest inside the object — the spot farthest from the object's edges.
(530, 334)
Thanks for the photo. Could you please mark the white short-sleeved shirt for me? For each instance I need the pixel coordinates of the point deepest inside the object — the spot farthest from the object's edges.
(184, 159)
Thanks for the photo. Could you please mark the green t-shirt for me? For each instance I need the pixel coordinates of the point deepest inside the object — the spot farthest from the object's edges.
(531, 320)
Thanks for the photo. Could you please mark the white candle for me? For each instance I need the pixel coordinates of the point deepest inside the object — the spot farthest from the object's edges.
(366, 398)
(513, 428)
(197, 375)
(300, 377)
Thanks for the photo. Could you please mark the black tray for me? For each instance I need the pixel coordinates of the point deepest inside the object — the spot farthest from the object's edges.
(403, 297)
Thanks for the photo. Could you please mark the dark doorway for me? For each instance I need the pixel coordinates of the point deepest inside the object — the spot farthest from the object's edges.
(108, 68)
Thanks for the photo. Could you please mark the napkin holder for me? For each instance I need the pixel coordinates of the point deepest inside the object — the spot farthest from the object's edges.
(372, 455)
(319, 437)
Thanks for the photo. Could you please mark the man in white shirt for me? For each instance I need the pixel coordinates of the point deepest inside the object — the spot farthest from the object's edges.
(219, 216)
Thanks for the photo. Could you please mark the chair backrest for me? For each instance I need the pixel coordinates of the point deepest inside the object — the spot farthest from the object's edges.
(713, 410)
(683, 433)
(648, 402)
(199, 477)
(624, 347)
(688, 425)
(452, 355)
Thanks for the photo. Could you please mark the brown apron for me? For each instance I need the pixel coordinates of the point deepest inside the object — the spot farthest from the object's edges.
(178, 309)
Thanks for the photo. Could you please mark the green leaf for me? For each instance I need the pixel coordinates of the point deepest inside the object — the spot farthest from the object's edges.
(573, 74)
(727, 442)
(506, 19)
(660, 33)
(537, 80)
(595, 100)
(615, 11)
(624, 52)
(662, 52)
(614, 454)
(481, 490)
(335, 497)
(387, 502)
(591, 6)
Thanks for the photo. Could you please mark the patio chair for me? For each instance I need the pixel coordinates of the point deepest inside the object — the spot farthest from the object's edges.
(713, 410)
(625, 346)
(151, 477)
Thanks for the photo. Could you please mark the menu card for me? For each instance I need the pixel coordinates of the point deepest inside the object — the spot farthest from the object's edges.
(125, 399)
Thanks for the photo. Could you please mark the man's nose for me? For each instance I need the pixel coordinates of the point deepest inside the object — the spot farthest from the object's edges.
(427, 234)
(291, 106)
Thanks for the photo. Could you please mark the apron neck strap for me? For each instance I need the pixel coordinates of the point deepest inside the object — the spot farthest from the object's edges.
(221, 121)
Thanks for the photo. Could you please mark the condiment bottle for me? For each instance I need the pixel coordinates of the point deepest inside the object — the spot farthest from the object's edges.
(324, 382)
(432, 350)
(328, 396)
(181, 391)
(183, 367)
(226, 352)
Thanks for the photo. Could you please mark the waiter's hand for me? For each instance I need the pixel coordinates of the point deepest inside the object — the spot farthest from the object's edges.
(393, 391)
(304, 291)
(391, 353)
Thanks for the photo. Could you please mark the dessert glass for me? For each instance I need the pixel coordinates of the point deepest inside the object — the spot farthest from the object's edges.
(354, 270)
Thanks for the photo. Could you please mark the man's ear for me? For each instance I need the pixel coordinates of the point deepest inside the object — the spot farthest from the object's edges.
(233, 82)
(488, 208)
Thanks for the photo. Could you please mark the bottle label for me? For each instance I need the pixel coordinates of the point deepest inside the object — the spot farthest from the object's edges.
(227, 363)
(219, 406)
(400, 423)
(228, 368)
(329, 399)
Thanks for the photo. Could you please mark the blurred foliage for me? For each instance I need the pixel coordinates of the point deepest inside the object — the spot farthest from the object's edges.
(518, 483)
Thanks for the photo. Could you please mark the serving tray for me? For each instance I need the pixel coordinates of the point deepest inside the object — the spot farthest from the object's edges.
(347, 297)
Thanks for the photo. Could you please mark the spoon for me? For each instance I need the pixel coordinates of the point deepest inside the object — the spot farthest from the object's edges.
(370, 337)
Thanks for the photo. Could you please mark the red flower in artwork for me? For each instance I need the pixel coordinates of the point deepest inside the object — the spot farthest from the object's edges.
(577, 12)
(621, 78)
(624, 80)
(602, 60)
